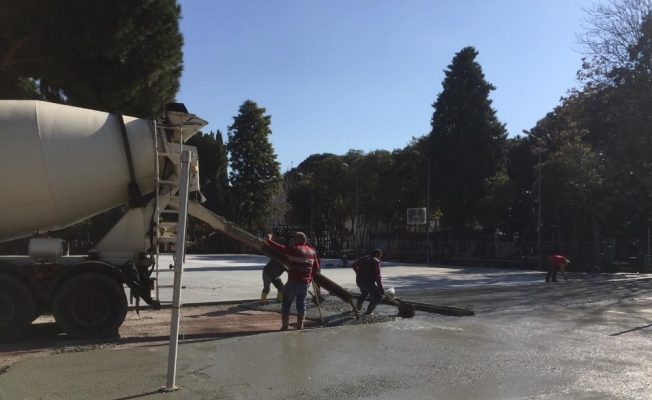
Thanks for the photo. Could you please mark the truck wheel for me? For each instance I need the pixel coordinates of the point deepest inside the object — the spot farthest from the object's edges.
(17, 308)
(90, 306)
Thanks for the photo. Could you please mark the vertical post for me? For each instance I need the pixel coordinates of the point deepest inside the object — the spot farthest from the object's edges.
(539, 194)
(427, 209)
(647, 259)
(178, 268)
(357, 217)
(539, 218)
(312, 191)
(428, 217)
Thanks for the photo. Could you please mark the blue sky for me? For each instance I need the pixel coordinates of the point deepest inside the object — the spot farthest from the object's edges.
(337, 75)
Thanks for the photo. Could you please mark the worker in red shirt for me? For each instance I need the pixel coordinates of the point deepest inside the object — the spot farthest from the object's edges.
(367, 276)
(303, 262)
(557, 262)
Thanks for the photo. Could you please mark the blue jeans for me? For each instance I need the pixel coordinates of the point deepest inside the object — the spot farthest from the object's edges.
(268, 281)
(291, 290)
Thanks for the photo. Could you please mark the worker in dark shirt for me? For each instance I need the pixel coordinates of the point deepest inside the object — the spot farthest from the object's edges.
(272, 275)
(367, 270)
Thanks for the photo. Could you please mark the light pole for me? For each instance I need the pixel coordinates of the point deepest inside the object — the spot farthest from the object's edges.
(539, 195)
(311, 195)
(427, 209)
(270, 220)
(355, 222)
(647, 259)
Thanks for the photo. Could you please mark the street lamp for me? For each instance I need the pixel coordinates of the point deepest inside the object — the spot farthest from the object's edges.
(312, 187)
(270, 220)
(427, 209)
(539, 195)
(647, 259)
(355, 222)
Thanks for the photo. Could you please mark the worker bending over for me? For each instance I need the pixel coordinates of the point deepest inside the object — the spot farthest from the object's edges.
(367, 270)
(557, 262)
(303, 262)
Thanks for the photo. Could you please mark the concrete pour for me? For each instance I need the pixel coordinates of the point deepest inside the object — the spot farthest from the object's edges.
(594, 347)
(580, 352)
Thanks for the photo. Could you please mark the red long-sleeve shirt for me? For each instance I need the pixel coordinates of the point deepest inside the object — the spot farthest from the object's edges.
(303, 260)
(558, 259)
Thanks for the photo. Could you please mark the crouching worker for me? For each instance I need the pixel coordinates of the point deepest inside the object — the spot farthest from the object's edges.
(303, 262)
(557, 262)
(272, 276)
(367, 270)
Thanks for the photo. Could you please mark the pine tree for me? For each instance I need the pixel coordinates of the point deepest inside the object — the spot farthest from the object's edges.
(253, 166)
(103, 55)
(467, 143)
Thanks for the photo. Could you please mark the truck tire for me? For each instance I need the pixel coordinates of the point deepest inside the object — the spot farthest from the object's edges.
(90, 306)
(17, 308)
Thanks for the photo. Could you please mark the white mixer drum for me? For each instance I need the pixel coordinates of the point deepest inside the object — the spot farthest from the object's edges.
(61, 164)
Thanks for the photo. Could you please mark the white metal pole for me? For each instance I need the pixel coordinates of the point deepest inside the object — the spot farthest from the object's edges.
(178, 268)
(428, 218)
(539, 223)
(312, 191)
(357, 216)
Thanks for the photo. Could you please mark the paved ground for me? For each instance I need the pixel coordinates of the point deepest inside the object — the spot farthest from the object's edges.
(588, 338)
(215, 278)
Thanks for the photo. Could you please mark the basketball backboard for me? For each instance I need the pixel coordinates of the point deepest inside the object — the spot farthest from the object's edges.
(416, 216)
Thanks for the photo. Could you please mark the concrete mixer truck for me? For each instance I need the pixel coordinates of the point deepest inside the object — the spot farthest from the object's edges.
(60, 165)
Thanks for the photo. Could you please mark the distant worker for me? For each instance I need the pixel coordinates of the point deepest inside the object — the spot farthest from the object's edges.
(303, 263)
(272, 275)
(557, 262)
(367, 270)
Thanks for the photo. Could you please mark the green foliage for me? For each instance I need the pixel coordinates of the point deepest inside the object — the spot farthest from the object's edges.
(213, 163)
(499, 193)
(103, 55)
(521, 163)
(255, 173)
(467, 143)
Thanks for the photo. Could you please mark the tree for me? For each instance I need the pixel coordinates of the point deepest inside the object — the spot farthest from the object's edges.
(521, 218)
(213, 173)
(255, 173)
(616, 100)
(103, 55)
(612, 31)
(467, 144)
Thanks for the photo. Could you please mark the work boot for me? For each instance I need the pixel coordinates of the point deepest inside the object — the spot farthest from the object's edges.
(285, 321)
(263, 297)
(356, 312)
(300, 318)
(359, 304)
(279, 296)
(372, 306)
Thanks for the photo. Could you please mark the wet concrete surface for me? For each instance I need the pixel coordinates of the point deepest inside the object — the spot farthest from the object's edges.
(224, 277)
(571, 340)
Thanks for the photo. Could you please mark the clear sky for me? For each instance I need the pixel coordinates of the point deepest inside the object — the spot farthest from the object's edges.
(363, 74)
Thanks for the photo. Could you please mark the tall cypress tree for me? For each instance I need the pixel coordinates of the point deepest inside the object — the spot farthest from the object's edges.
(467, 143)
(253, 165)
